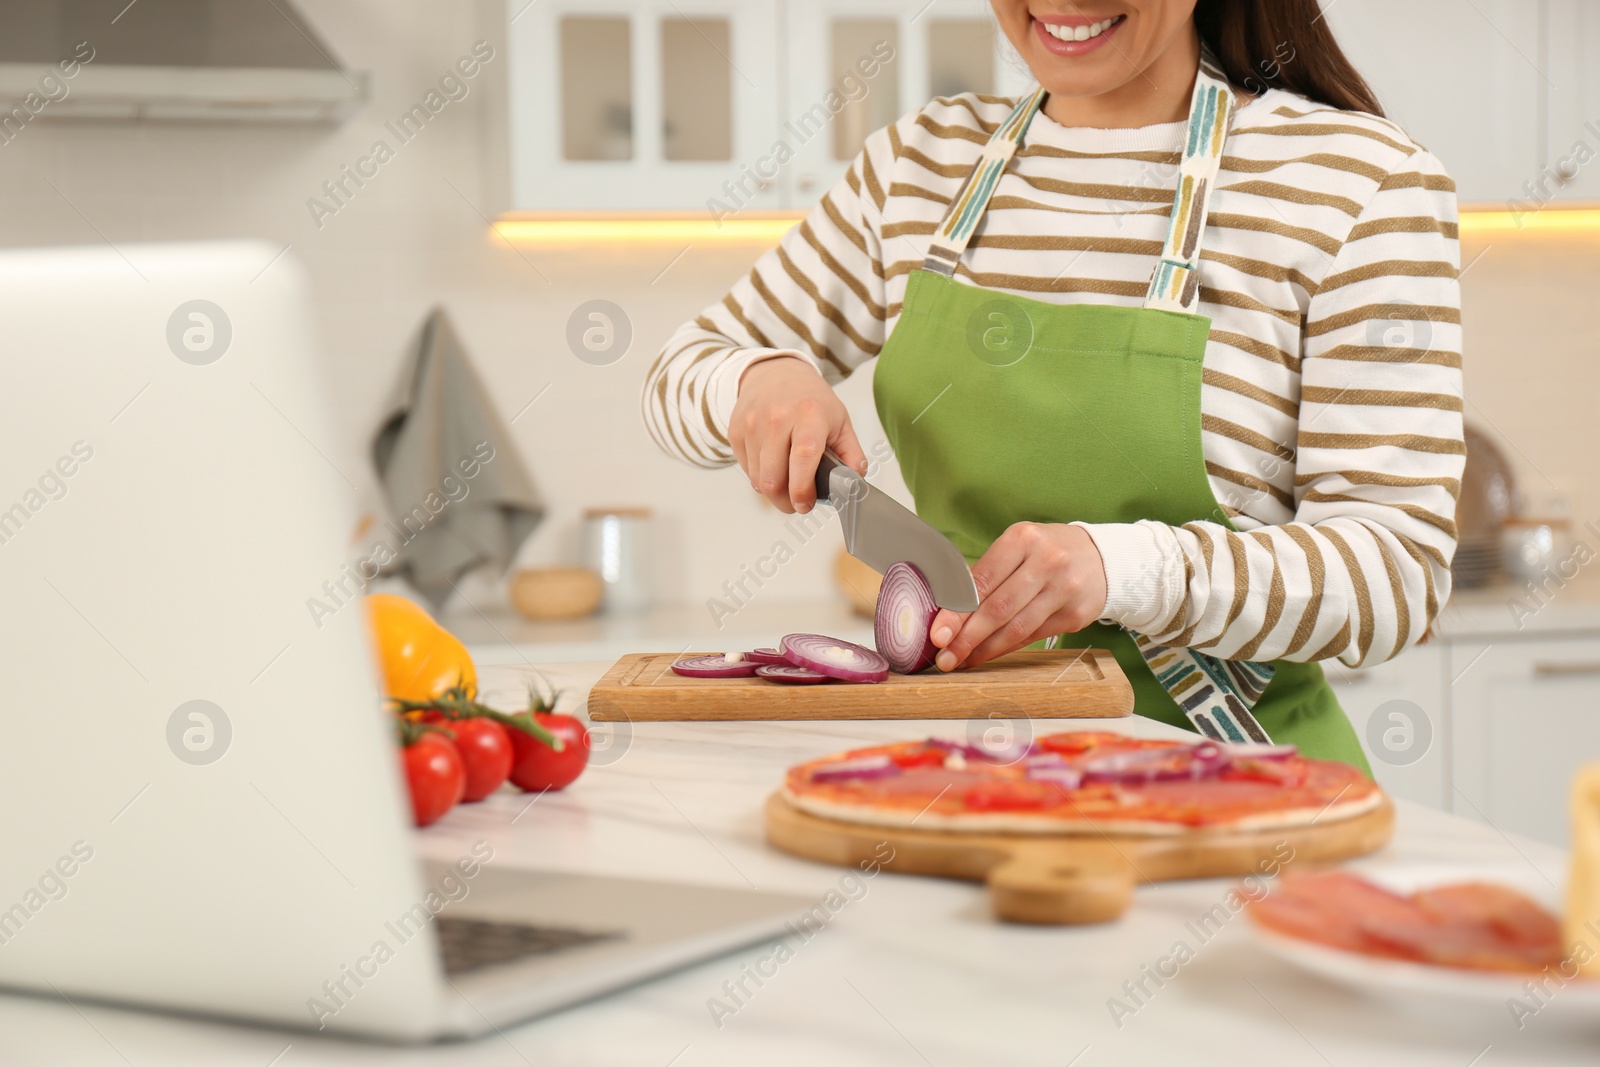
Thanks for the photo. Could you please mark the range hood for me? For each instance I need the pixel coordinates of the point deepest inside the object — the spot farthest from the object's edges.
(210, 60)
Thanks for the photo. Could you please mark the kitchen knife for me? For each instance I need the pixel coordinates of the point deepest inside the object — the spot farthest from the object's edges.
(879, 531)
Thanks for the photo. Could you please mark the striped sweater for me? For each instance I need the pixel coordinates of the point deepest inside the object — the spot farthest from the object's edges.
(1331, 393)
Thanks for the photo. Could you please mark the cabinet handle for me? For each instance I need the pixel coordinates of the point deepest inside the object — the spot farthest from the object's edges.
(1561, 669)
(1349, 678)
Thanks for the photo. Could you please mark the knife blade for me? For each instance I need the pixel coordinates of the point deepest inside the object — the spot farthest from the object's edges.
(879, 531)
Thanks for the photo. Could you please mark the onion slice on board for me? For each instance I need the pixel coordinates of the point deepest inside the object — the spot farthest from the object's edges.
(837, 659)
(714, 666)
(902, 622)
(767, 655)
(789, 674)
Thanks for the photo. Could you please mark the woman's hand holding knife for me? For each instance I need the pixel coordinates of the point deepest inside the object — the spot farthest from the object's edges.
(786, 415)
(1037, 579)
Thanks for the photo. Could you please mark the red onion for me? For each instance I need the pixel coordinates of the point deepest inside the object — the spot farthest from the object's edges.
(790, 674)
(714, 666)
(1005, 754)
(1066, 777)
(862, 768)
(1249, 751)
(1206, 759)
(837, 659)
(765, 656)
(903, 620)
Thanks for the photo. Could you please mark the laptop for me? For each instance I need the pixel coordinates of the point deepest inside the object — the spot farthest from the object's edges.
(202, 807)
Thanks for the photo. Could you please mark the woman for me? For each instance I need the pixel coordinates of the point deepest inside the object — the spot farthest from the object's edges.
(1170, 349)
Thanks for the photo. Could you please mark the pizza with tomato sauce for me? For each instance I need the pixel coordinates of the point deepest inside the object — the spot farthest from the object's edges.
(1083, 782)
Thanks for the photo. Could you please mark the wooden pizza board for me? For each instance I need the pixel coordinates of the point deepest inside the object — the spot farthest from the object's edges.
(1061, 684)
(1057, 879)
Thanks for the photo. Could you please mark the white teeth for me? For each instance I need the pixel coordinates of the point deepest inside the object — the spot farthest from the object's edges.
(1078, 33)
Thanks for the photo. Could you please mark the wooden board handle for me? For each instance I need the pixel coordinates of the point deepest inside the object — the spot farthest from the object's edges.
(1043, 886)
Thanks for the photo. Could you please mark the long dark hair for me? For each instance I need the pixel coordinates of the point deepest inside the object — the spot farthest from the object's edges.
(1282, 44)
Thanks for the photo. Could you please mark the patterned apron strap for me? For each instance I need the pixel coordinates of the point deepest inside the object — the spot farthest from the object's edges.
(1215, 694)
(950, 239)
(1175, 282)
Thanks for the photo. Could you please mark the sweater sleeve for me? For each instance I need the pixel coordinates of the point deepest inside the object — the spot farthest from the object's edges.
(819, 295)
(1361, 571)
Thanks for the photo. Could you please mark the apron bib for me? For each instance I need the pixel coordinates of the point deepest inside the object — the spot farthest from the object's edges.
(1005, 409)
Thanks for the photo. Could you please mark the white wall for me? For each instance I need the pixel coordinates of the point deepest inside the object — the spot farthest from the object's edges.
(409, 240)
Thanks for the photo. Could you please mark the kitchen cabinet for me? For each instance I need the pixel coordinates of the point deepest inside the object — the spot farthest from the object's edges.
(1473, 96)
(1526, 715)
(725, 105)
(1571, 154)
(938, 49)
(734, 105)
(630, 104)
(1507, 93)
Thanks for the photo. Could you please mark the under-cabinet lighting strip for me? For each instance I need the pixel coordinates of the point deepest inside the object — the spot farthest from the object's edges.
(1569, 219)
(584, 229)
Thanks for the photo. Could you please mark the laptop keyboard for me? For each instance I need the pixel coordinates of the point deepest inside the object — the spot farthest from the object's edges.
(469, 944)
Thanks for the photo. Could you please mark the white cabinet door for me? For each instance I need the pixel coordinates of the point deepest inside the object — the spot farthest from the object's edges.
(1572, 121)
(1462, 77)
(1400, 712)
(644, 104)
(1525, 716)
(858, 65)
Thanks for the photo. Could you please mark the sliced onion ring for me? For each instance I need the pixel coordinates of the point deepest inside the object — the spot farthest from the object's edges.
(903, 620)
(1006, 754)
(1206, 759)
(789, 674)
(843, 660)
(1066, 777)
(714, 666)
(766, 655)
(1252, 751)
(862, 768)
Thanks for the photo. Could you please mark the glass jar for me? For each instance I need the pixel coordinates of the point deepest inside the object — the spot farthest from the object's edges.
(614, 543)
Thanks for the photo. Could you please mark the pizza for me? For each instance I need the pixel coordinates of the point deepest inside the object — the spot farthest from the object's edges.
(1471, 925)
(1080, 782)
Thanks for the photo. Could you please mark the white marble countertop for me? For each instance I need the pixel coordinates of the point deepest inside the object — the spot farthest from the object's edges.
(914, 972)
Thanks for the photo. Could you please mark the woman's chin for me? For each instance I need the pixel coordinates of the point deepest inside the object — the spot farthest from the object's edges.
(1075, 78)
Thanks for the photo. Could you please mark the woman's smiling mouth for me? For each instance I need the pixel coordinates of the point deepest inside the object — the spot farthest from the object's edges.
(1075, 35)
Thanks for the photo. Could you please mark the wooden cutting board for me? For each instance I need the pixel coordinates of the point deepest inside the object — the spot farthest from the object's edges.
(1060, 879)
(1061, 684)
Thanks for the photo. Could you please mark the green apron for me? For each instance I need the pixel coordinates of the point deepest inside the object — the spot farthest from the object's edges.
(1004, 409)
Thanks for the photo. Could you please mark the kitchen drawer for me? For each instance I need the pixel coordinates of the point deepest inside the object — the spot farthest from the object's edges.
(1401, 714)
(1526, 715)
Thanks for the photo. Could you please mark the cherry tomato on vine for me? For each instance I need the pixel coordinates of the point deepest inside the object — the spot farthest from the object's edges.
(538, 766)
(434, 775)
(486, 754)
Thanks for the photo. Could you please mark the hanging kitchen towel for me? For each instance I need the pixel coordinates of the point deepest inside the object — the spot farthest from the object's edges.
(457, 493)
